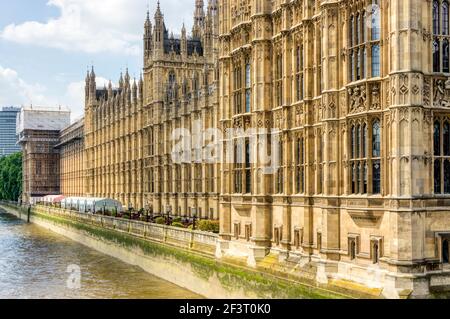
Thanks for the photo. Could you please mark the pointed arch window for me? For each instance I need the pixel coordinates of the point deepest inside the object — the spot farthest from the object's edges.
(445, 56)
(445, 18)
(376, 139)
(247, 168)
(437, 139)
(446, 138)
(375, 60)
(441, 152)
(435, 17)
(350, 31)
(441, 37)
(436, 56)
(279, 183)
(279, 80)
(300, 164)
(365, 162)
(357, 29)
(248, 87)
(237, 174)
(237, 87)
(364, 43)
(375, 25)
(299, 79)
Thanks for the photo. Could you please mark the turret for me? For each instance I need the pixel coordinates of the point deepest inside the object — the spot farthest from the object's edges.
(127, 87)
(199, 19)
(110, 90)
(148, 41)
(92, 87)
(134, 91)
(213, 12)
(127, 80)
(183, 41)
(121, 81)
(141, 88)
(208, 34)
(159, 30)
(86, 89)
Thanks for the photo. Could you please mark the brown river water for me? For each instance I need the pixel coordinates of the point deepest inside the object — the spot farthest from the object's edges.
(36, 263)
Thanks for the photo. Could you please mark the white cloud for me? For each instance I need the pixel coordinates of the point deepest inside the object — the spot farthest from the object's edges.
(15, 91)
(95, 26)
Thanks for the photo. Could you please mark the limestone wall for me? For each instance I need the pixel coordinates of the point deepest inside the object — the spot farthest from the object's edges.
(180, 256)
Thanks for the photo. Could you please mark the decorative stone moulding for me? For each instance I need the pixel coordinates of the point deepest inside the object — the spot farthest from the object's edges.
(365, 218)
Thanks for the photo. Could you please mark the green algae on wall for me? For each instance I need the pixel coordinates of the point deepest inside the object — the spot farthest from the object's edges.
(231, 277)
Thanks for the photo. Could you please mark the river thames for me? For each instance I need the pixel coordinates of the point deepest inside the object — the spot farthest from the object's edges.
(38, 264)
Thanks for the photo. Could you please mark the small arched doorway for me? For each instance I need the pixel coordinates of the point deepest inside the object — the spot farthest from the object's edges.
(445, 251)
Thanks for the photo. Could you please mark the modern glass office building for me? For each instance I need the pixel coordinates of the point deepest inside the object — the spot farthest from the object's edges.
(8, 135)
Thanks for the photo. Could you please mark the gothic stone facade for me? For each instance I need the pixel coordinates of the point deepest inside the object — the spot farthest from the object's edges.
(128, 130)
(358, 93)
(363, 120)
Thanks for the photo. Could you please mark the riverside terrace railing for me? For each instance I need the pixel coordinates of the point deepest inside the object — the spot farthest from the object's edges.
(204, 242)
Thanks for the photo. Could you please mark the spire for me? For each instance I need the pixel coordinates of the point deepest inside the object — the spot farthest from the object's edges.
(159, 31)
(141, 88)
(127, 78)
(134, 90)
(199, 18)
(183, 43)
(158, 13)
(121, 81)
(92, 86)
(92, 73)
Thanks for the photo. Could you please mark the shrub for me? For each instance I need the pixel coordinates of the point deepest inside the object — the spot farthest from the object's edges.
(160, 220)
(209, 226)
(177, 220)
(177, 224)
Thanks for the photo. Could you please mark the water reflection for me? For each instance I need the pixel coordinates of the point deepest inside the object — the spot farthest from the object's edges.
(34, 264)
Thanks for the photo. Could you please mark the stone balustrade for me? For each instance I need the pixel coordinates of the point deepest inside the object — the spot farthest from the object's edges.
(204, 242)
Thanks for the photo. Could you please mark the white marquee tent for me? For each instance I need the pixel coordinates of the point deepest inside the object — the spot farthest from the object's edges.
(88, 204)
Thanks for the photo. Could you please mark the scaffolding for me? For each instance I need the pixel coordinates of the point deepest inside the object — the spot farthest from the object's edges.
(38, 130)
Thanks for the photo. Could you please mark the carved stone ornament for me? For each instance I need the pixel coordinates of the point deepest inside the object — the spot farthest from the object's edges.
(441, 96)
(357, 96)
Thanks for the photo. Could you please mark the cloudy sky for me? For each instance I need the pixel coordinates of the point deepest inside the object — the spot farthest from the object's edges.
(46, 46)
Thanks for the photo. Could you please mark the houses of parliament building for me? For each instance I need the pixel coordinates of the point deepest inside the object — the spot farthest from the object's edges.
(358, 95)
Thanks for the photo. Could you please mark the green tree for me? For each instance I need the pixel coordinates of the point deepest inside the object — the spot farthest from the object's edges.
(11, 177)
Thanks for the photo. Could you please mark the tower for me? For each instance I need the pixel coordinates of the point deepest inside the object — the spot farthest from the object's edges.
(199, 19)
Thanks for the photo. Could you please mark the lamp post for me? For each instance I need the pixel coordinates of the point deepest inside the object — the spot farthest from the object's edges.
(194, 217)
(104, 209)
(130, 209)
(146, 212)
(168, 216)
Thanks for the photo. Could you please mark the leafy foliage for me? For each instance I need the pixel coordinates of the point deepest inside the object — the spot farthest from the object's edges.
(209, 226)
(160, 220)
(11, 177)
